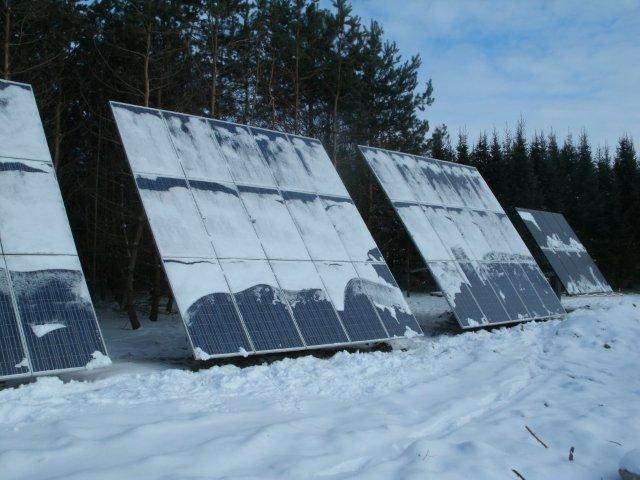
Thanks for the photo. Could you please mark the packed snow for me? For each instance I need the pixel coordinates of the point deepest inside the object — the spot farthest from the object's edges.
(449, 405)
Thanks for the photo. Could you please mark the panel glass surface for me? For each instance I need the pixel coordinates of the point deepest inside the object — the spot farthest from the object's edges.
(55, 311)
(262, 304)
(146, 140)
(273, 223)
(241, 224)
(21, 132)
(207, 307)
(315, 226)
(474, 253)
(239, 148)
(13, 358)
(387, 299)
(226, 220)
(281, 156)
(177, 226)
(351, 301)
(311, 306)
(33, 219)
(319, 167)
(352, 230)
(566, 254)
(47, 322)
(196, 147)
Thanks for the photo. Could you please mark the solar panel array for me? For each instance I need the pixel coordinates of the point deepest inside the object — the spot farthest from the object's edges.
(564, 251)
(262, 245)
(47, 321)
(464, 236)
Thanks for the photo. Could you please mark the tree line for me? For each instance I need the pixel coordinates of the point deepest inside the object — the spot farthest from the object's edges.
(289, 65)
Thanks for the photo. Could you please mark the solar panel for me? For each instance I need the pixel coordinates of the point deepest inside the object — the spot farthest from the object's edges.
(474, 253)
(263, 248)
(47, 321)
(564, 251)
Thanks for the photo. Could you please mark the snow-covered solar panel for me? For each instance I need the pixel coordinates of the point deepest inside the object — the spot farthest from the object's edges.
(263, 248)
(474, 253)
(569, 259)
(47, 321)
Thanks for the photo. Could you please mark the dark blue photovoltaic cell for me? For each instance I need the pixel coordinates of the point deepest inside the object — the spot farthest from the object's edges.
(349, 297)
(310, 303)
(211, 316)
(262, 304)
(564, 252)
(456, 289)
(506, 292)
(12, 354)
(525, 289)
(387, 298)
(57, 317)
(543, 289)
(484, 294)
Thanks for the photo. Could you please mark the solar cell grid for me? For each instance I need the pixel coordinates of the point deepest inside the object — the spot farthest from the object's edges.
(47, 322)
(471, 248)
(564, 251)
(266, 211)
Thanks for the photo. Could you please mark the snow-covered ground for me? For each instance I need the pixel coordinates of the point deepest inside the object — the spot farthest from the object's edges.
(450, 405)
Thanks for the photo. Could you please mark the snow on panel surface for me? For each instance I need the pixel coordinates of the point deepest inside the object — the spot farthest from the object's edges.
(262, 304)
(245, 161)
(422, 232)
(319, 235)
(355, 235)
(321, 171)
(226, 220)
(146, 140)
(386, 296)
(273, 223)
(32, 215)
(55, 311)
(176, 224)
(310, 304)
(196, 147)
(206, 307)
(569, 259)
(12, 352)
(281, 156)
(21, 132)
(241, 200)
(388, 174)
(413, 173)
(467, 241)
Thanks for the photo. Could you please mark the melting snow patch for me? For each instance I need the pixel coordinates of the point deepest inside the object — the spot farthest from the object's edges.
(23, 364)
(98, 360)
(201, 354)
(243, 352)
(410, 333)
(43, 329)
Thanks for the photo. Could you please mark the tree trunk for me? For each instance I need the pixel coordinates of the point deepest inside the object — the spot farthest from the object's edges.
(7, 40)
(155, 292)
(169, 306)
(133, 259)
(57, 138)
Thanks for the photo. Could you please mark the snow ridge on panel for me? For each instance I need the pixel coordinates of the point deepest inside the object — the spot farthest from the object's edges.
(261, 243)
(462, 233)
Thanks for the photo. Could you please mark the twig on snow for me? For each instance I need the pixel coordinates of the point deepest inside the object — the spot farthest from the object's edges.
(536, 437)
(518, 474)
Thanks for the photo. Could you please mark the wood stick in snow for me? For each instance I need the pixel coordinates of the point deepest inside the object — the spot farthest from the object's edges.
(536, 437)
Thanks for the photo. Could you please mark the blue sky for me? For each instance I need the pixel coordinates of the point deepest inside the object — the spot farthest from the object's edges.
(562, 65)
